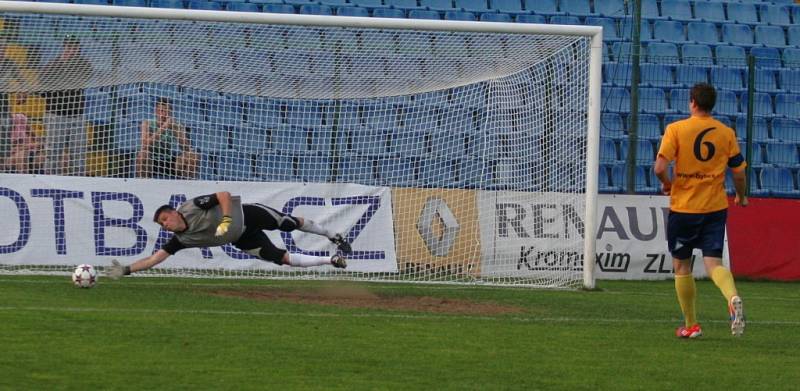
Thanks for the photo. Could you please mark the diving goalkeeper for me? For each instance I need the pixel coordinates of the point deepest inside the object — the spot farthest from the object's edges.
(220, 218)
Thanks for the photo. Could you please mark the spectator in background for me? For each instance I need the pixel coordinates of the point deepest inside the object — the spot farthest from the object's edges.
(25, 147)
(166, 152)
(65, 138)
(8, 75)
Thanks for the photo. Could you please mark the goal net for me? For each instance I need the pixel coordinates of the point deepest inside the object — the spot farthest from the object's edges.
(444, 151)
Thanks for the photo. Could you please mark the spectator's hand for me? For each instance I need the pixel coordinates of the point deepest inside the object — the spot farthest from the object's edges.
(115, 271)
(222, 228)
(741, 201)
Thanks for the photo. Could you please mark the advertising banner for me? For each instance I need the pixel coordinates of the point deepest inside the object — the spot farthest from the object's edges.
(437, 231)
(528, 233)
(51, 220)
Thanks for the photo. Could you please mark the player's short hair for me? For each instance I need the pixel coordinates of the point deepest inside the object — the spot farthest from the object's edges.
(162, 208)
(164, 101)
(704, 96)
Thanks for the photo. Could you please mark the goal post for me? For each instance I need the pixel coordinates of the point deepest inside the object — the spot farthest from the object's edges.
(445, 151)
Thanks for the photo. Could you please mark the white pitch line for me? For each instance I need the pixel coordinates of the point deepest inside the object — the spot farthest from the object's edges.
(376, 315)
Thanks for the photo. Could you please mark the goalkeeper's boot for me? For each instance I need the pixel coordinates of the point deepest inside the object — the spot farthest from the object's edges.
(689, 332)
(736, 312)
(339, 261)
(341, 243)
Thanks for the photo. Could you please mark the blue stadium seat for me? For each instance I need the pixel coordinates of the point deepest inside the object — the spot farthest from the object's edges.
(368, 3)
(771, 36)
(697, 54)
(782, 154)
(396, 171)
(526, 18)
(650, 9)
(612, 8)
(402, 4)
(279, 8)
(649, 127)
(388, 13)
(778, 182)
(687, 75)
(679, 101)
(787, 105)
(762, 106)
(566, 20)
(709, 11)
(793, 34)
(617, 74)
(790, 80)
(758, 158)
(312, 168)
(543, 7)
(424, 14)
(356, 169)
(766, 57)
(476, 6)
(250, 139)
(316, 9)
(608, 151)
(609, 27)
(737, 34)
(668, 31)
(437, 172)
(653, 100)
(656, 75)
(507, 6)
(438, 5)
(619, 178)
(760, 130)
(167, 3)
(243, 7)
(495, 17)
(776, 15)
(412, 143)
(90, 2)
(645, 153)
(661, 52)
(611, 126)
(352, 11)
(459, 15)
(616, 100)
(702, 32)
(235, 166)
(208, 137)
(290, 139)
(604, 180)
(131, 3)
(786, 130)
(791, 58)
(334, 3)
(731, 56)
(626, 29)
(742, 13)
(276, 166)
(727, 103)
(621, 51)
(575, 7)
(369, 142)
(472, 172)
(677, 9)
(766, 80)
(205, 5)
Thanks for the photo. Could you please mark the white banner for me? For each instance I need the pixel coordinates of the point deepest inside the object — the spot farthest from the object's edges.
(51, 220)
(527, 233)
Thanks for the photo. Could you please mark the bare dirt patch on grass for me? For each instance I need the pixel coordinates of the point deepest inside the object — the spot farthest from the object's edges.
(360, 297)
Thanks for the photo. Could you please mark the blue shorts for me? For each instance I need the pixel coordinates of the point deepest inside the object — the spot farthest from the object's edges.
(688, 231)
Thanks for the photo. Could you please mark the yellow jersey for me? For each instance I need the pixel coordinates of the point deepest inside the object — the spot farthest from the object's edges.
(702, 149)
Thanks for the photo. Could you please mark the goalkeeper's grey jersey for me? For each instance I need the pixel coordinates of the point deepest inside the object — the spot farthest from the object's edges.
(202, 224)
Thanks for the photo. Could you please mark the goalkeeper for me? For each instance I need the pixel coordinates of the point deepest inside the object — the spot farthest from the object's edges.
(218, 219)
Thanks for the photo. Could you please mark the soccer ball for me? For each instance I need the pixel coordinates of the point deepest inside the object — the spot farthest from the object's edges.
(84, 276)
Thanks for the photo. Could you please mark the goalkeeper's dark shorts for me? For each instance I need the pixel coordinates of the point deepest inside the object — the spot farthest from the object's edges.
(704, 231)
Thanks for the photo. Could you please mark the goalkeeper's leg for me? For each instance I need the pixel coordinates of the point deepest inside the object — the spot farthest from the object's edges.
(257, 243)
(267, 218)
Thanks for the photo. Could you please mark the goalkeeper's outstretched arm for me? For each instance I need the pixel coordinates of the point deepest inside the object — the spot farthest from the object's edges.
(117, 270)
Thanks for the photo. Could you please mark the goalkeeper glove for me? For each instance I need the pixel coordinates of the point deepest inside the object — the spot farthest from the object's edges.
(116, 270)
(222, 228)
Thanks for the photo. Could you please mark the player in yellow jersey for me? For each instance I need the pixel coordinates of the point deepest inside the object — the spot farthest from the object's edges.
(702, 149)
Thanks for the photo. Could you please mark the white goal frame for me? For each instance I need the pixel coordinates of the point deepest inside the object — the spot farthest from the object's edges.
(595, 66)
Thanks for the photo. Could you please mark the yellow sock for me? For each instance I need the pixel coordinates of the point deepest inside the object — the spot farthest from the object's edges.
(687, 292)
(723, 278)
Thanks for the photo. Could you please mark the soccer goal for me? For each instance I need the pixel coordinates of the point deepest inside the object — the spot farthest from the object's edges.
(445, 151)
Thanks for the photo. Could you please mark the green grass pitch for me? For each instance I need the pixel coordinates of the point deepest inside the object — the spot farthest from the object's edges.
(153, 333)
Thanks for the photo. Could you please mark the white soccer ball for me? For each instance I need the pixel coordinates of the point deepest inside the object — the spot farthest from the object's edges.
(84, 276)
